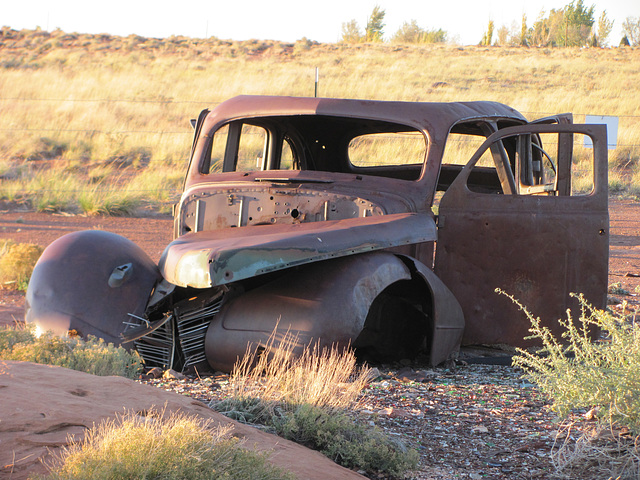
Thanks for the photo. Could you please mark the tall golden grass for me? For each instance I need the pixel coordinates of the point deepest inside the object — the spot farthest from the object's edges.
(82, 104)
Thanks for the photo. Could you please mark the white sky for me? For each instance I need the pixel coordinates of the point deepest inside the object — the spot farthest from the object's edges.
(286, 20)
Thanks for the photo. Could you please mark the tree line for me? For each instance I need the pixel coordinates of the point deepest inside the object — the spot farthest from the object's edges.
(573, 25)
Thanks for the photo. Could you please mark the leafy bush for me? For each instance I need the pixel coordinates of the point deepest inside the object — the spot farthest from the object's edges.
(16, 263)
(344, 441)
(303, 398)
(602, 376)
(92, 356)
(178, 447)
(577, 372)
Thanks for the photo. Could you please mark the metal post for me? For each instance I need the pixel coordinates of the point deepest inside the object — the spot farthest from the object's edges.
(317, 78)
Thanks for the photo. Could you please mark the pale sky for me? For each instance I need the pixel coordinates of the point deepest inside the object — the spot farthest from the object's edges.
(287, 20)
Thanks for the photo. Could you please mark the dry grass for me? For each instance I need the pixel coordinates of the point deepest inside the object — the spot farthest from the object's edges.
(327, 378)
(304, 398)
(16, 263)
(82, 104)
(597, 452)
(175, 446)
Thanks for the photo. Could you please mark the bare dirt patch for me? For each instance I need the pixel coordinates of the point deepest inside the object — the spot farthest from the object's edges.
(472, 421)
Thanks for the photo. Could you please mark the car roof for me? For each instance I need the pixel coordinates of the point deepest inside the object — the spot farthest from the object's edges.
(428, 115)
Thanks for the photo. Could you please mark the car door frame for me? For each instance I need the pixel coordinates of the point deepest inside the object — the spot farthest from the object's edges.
(537, 248)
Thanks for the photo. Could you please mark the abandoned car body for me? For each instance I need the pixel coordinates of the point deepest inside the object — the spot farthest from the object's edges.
(384, 225)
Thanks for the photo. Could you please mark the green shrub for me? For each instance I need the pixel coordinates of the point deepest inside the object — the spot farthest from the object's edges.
(346, 442)
(617, 289)
(92, 356)
(178, 447)
(16, 263)
(576, 372)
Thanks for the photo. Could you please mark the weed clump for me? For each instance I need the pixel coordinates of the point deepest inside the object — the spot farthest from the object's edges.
(304, 399)
(92, 356)
(601, 376)
(577, 372)
(177, 447)
(16, 263)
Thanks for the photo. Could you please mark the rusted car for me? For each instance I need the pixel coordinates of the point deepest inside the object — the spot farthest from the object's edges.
(386, 226)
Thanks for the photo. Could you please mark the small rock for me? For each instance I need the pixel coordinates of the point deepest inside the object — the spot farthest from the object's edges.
(155, 372)
(480, 429)
(591, 414)
(374, 373)
(171, 373)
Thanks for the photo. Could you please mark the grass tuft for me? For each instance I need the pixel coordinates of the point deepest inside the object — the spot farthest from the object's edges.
(178, 447)
(92, 356)
(305, 399)
(16, 263)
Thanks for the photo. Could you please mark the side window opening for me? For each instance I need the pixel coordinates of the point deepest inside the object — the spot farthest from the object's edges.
(252, 149)
(543, 164)
(288, 161)
(214, 157)
(485, 177)
(244, 147)
(387, 149)
(392, 154)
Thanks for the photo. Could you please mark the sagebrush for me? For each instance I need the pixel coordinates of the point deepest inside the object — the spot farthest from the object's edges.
(92, 356)
(578, 373)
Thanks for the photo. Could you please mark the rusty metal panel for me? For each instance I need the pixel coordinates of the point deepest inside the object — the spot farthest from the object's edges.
(218, 257)
(91, 282)
(326, 302)
(539, 249)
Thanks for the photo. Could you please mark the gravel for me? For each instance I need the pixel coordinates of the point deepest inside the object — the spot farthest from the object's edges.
(469, 421)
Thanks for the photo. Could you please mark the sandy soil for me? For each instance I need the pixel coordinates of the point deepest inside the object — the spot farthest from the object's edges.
(154, 233)
(503, 428)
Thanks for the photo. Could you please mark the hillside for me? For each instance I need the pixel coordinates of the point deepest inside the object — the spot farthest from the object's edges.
(108, 110)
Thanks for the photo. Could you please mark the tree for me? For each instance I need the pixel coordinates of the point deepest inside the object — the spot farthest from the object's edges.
(374, 31)
(566, 27)
(578, 21)
(488, 35)
(524, 32)
(351, 32)
(604, 29)
(434, 36)
(503, 36)
(410, 32)
(631, 30)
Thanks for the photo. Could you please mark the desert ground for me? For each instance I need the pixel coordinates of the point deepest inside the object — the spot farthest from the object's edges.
(472, 421)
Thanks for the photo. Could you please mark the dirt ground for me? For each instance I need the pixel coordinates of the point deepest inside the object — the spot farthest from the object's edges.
(474, 421)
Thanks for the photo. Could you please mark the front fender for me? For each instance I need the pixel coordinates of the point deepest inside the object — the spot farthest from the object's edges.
(325, 302)
(90, 282)
(218, 257)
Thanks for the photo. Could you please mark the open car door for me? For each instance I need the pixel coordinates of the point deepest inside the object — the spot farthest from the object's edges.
(545, 237)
